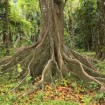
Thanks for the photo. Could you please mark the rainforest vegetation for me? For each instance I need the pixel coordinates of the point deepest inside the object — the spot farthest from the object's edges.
(52, 52)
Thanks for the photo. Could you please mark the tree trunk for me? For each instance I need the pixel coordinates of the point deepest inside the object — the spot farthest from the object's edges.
(50, 57)
(100, 38)
(6, 39)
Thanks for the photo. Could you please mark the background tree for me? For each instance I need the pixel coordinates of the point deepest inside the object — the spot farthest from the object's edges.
(84, 24)
(5, 23)
(2, 11)
(100, 36)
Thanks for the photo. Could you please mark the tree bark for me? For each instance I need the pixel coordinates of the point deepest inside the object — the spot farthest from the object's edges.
(6, 37)
(100, 38)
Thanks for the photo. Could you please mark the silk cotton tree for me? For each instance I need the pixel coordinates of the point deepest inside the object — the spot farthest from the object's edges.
(50, 57)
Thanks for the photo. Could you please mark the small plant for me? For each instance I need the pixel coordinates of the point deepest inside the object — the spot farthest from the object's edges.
(100, 96)
(101, 66)
(61, 82)
(74, 85)
(7, 99)
(19, 69)
(28, 78)
(58, 102)
(39, 97)
(82, 83)
(2, 53)
(93, 85)
(87, 99)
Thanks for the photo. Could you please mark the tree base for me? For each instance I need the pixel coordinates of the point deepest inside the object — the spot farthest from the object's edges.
(40, 59)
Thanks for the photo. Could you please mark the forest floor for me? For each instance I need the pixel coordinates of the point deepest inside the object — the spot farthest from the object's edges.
(70, 91)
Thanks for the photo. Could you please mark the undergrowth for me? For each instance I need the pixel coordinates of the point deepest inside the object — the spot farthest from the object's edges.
(70, 91)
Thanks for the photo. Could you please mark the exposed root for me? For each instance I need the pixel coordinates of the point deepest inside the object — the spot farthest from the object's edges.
(81, 69)
(102, 89)
(53, 70)
(14, 89)
(25, 59)
(81, 58)
(93, 72)
(24, 78)
(100, 79)
(15, 60)
(5, 60)
(46, 72)
(83, 74)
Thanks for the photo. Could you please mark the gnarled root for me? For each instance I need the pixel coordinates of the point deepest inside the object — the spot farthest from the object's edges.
(42, 60)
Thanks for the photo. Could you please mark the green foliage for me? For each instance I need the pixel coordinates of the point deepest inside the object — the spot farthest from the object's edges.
(74, 85)
(2, 53)
(80, 21)
(55, 102)
(101, 66)
(19, 68)
(69, 9)
(30, 11)
(93, 86)
(87, 99)
(100, 96)
(7, 99)
(24, 20)
(84, 22)
(28, 78)
(62, 82)
(39, 97)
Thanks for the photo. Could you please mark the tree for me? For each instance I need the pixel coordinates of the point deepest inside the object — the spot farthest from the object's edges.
(6, 37)
(50, 57)
(4, 28)
(100, 36)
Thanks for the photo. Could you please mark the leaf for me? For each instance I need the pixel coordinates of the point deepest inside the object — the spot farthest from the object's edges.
(100, 95)
(19, 70)
(28, 78)
(18, 65)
